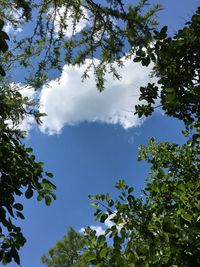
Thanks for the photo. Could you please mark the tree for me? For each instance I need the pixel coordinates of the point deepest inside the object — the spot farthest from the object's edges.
(133, 36)
(160, 229)
(176, 65)
(56, 39)
(20, 173)
(111, 32)
(163, 227)
(67, 252)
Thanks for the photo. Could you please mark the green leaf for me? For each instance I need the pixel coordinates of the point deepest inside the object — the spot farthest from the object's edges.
(168, 225)
(47, 200)
(120, 184)
(91, 197)
(2, 72)
(29, 193)
(47, 182)
(49, 174)
(20, 215)
(110, 203)
(94, 204)
(101, 240)
(39, 197)
(103, 217)
(89, 256)
(1, 24)
(187, 217)
(3, 46)
(4, 36)
(130, 190)
(163, 32)
(15, 255)
(18, 206)
(146, 61)
(29, 150)
(103, 252)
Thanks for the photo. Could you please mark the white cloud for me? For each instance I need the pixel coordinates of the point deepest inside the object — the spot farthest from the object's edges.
(68, 101)
(66, 14)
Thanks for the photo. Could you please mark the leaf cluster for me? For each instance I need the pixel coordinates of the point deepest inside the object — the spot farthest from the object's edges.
(20, 173)
(111, 29)
(67, 252)
(176, 65)
(160, 229)
(3, 44)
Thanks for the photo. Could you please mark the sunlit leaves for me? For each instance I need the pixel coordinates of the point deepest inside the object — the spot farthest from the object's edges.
(162, 228)
(107, 30)
(68, 251)
(176, 65)
(20, 173)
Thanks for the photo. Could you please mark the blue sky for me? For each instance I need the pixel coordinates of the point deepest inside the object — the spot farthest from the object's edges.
(90, 145)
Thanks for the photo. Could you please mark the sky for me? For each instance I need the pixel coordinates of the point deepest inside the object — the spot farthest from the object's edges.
(89, 141)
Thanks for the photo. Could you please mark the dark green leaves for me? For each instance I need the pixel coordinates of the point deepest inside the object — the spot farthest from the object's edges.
(90, 256)
(162, 34)
(29, 193)
(103, 217)
(47, 200)
(21, 174)
(50, 175)
(3, 44)
(2, 72)
(18, 206)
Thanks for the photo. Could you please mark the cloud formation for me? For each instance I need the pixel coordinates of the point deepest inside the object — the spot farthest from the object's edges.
(69, 101)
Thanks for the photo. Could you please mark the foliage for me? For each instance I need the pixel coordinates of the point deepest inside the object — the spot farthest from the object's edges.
(3, 44)
(176, 65)
(10, 6)
(20, 173)
(67, 252)
(109, 31)
(160, 229)
(113, 31)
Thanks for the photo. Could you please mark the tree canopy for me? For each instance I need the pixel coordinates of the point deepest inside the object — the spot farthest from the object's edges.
(41, 52)
(69, 32)
(20, 173)
(162, 228)
(111, 32)
(67, 252)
